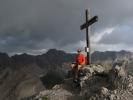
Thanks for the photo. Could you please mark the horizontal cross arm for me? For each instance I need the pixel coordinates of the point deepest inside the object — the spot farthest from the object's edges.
(89, 22)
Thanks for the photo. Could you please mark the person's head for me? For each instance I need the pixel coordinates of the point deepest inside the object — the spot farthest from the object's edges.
(78, 51)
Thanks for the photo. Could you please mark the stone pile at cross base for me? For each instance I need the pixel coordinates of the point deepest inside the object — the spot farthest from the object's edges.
(97, 83)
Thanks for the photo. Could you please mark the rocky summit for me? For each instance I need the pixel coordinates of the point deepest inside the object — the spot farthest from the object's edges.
(96, 83)
(49, 77)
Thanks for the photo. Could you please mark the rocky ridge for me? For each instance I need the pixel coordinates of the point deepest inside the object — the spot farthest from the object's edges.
(98, 83)
(20, 74)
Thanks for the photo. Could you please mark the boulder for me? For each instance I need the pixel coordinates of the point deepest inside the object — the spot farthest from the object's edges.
(95, 84)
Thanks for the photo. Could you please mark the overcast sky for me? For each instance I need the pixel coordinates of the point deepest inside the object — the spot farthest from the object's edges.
(34, 26)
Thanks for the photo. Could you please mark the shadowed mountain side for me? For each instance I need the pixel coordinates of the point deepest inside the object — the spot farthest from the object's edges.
(23, 72)
(16, 84)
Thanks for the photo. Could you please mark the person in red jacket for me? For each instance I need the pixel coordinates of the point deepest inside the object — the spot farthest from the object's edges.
(78, 64)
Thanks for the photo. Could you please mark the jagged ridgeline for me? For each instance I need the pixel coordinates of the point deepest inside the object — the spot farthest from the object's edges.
(95, 84)
(23, 76)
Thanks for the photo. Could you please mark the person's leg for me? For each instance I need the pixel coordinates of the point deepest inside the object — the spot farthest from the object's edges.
(80, 71)
(75, 71)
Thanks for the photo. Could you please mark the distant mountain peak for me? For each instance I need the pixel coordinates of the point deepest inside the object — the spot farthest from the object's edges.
(3, 55)
(54, 51)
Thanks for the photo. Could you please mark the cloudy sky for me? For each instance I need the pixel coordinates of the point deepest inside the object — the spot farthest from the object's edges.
(34, 26)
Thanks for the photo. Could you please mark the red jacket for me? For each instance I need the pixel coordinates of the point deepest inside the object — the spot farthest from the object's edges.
(80, 59)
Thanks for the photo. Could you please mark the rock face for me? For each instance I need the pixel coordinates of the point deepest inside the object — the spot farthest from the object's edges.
(96, 84)
(16, 85)
(20, 75)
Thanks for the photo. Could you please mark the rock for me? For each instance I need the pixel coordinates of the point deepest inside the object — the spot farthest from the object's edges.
(56, 87)
(117, 68)
(121, 72)
(98, 69)
(104, 91)
(130, 86)
(115, 91)
(18, 85)
(94, 85)
(59, 94)
(88, 70)
(112, 96)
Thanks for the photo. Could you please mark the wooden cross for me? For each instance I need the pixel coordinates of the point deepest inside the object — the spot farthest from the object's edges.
(89, 21)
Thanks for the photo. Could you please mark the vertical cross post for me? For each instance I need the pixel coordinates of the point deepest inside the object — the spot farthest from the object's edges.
(88, 38)
(86, 25)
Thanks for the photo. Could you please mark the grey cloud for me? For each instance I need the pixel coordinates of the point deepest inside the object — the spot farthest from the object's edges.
(121, 35)
(43, 24)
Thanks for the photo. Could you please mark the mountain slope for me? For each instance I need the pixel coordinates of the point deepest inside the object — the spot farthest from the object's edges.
(19, 70)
